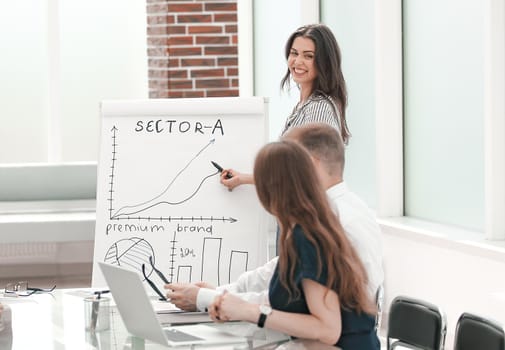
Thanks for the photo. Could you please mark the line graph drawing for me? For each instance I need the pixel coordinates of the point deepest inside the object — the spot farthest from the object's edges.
(138, 211)
(131, 210)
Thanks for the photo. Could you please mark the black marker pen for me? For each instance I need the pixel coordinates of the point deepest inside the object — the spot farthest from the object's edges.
(99, 293)
(220, 169)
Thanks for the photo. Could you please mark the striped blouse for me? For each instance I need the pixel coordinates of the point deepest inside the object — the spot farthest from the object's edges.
(317, 109)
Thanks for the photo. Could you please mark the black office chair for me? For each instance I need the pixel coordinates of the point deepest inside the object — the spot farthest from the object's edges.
(475, 332)
(415, 324)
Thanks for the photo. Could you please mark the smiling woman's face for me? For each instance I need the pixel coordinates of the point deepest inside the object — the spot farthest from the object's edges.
(301, 62)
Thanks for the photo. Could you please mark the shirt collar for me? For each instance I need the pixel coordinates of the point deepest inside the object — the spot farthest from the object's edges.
(337, 190)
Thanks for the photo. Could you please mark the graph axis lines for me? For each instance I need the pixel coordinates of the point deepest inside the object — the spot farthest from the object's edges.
(112, 167)
(172, 257)
(179, 218)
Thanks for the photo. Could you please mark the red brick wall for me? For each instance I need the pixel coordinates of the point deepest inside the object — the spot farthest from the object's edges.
(192, 48)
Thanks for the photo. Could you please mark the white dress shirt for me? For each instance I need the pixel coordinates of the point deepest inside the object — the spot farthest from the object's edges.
(362, 229)
(359, 224)
(251, 286)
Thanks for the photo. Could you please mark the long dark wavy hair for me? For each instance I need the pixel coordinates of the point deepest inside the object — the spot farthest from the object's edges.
(288, 187)
(328, 60)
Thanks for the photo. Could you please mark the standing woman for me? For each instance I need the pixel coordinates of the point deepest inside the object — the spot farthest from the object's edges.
(314, 64)
(318, 289)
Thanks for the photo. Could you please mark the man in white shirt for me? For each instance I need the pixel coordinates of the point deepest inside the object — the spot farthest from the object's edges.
(327, 150)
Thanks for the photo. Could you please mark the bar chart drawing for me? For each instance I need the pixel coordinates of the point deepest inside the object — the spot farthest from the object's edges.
(211, 258)
(184, 273)
(237, 265)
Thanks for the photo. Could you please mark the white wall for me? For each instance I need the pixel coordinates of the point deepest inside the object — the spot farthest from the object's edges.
(23, 79)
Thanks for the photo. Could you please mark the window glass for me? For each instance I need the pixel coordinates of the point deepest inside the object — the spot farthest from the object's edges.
(59, 60)
(352, 22)
(269, 61)
(24, 94)
(103, 56)
(443, 111)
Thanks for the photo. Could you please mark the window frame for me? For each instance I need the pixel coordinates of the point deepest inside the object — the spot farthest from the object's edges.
(389, 114)
(389, 108)
(494, 119)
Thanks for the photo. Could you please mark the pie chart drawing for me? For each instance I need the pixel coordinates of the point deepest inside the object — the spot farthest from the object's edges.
(131, 253)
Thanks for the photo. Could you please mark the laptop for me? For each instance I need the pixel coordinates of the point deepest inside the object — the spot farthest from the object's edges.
(140, 319)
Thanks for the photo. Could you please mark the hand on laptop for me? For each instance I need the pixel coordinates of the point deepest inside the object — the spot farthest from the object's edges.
(183, 295)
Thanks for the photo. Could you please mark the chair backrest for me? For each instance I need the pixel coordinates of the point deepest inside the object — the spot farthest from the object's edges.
(476, 332)
(416, 324)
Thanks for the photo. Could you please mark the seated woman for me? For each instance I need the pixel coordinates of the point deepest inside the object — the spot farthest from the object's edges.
(318, 290)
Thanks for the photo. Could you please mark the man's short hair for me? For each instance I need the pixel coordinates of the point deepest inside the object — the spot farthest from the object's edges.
(323, 142)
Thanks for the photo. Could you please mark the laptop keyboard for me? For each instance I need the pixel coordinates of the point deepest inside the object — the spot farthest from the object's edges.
(178, 336)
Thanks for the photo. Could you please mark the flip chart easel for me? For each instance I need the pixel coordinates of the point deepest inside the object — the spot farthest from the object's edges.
(159, 197)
